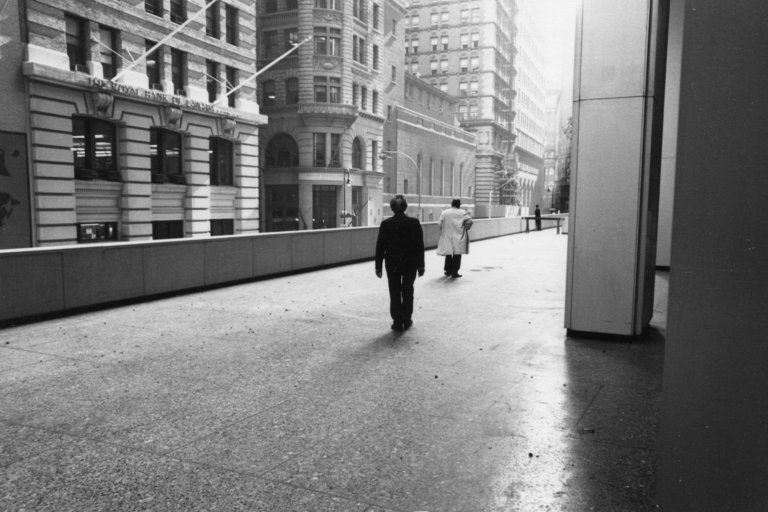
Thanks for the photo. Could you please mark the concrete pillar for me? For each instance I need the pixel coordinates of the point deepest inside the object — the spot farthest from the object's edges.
(713, 452)
(616, 155)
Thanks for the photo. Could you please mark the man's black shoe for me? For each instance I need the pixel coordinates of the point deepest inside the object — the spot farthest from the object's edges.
(456, 275)
(397, 327)
(407, 324)
(447, 273)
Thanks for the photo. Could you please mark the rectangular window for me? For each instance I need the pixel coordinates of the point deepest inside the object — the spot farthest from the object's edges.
(376, 16)
(464, 64)
(473, 88)
(75, 34)
(364, 98)
(222, 227)
(165, 155)
(415, 45)
(328, 4)
(167, 229)
(475, 40)
(444, 42)
(318, 147)
(464, 41)
(291, 5)
(292, 91)
(321, 89)
(335, 150)
(444, 17)
(178, 11)
(389, 112)
(154, 7)
(394, 73)
(415, 21)
(375, 101)
(433, 67)
(94, 148)
(358, 49)
(290, 37)
(211, 80)
(153, 65)
(433, 43)
(433, 19)
(178, 66)
(444, 66)
(405, 186)
(231, 84)
(270, 6)
(374, 153)
(232, 25)
(271, 45)
(108, 57)
(96, 232)
(474, 64)
(334, 90)
(358, 10)
(222, 167)
(462, 88)
(327, 41)
(212, 23)
(375, 57)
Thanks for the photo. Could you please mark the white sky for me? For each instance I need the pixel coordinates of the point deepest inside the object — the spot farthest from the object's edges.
(557, 22)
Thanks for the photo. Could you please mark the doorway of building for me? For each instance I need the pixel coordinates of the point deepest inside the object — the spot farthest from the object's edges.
(323, 206)
(282, 208)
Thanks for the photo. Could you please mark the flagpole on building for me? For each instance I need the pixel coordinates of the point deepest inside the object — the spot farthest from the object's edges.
(163, 41)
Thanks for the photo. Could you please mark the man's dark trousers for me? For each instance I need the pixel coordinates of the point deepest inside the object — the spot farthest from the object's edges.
(401, 295)
(452, 264)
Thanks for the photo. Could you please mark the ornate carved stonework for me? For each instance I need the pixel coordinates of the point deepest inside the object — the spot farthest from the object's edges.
(327, 17)
(228, 127)
(327, 64)
(102, 103)
(173, 116)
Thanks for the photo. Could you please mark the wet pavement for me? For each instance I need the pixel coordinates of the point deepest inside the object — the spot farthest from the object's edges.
(292, 394)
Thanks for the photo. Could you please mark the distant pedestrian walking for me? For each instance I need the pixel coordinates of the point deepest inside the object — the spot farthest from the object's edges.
(454, 237)
(401, 246)
(537, 214)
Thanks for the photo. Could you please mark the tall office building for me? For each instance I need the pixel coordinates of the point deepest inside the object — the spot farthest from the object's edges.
(136, 140)
(530, 102)
(327, 103)
(466, 50)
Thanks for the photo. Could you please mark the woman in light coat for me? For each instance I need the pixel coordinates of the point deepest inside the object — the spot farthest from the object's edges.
(454, 237)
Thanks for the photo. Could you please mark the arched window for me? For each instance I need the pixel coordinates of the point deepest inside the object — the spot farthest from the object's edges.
(292, 91)
(358, 155)
(268, 93)
(282, 151)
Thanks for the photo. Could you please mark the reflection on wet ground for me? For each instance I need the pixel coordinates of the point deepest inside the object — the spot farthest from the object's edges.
(293, 394)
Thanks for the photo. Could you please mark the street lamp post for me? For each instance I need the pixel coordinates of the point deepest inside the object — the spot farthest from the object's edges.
(383, 156)
(345, 184)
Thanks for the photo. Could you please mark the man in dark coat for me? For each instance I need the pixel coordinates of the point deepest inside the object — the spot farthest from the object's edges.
(401, 246)
(537, 214)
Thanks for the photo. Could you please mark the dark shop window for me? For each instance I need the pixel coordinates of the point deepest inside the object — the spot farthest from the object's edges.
(178, 11)
(178, 65)
(165, 156)
(94, 148)
(231, 79)
(166, 229)
(222, 227)
(153, 66)
(108, 56)
(95, 232)
(211, 80)
(222, 161)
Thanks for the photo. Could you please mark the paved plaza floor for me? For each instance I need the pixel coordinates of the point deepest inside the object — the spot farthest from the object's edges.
(293, 394)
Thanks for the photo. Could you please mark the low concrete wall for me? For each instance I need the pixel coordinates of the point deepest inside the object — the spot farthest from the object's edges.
(50, 280)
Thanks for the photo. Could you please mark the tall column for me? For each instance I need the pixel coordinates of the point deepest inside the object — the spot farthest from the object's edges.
(616, 155)
(712, 452)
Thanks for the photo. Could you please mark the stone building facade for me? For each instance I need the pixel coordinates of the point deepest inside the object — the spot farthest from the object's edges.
(530, 104)
(466, 50)
(327, 103)
(126, 147)
(431, 158)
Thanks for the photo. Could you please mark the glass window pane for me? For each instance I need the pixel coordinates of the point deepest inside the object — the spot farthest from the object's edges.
(79, 142)
(104, 146)
(172, 157)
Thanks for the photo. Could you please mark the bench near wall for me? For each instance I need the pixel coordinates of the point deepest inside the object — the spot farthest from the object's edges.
(58, 279)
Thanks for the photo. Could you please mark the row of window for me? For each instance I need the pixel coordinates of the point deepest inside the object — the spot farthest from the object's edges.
(282, 151)
(466, 15)
(109, 57)
(359, 8)
(327, 89)
(466, 41)
(178, 14)
(434, 183)
(327, 41)
(95, 232)
(94, 150)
